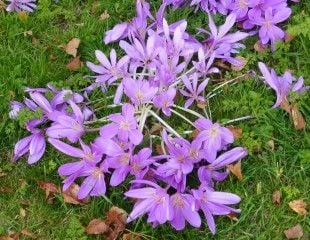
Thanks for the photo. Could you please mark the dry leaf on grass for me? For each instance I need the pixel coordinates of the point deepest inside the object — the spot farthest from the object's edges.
(23, 16)
(298, 119)
(243, 63)
(7, 238)
(237, 132)
(6, 190)
(50, 190)
(105, 15)
(2, 5)
(72, 46)
(294, 232)
(233, 216)
(285, 105)
(259, 47)
(276, 197)
(74, 64)
(97, 226)
(270, 144)
(235, 169)
(288, 37)
(298, 206)
(28, 233)
(70, 195)
(22, 212)
(156, 128)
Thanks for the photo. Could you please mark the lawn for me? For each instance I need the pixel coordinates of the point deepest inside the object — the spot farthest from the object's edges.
(36, 58)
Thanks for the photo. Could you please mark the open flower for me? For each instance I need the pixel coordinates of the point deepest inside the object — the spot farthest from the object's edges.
(21, 5)
(123, 125)
(165, 101)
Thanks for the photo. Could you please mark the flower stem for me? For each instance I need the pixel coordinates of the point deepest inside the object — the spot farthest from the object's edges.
(183, 117)
(189, 111)
(238, 119)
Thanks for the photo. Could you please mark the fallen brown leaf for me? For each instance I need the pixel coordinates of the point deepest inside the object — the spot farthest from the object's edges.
(195, 133)
(276, 197)
(202, 104)
(105, 15)
(6, 190)
(116, 220)
(50, 190)
(35, 41)
(298, 119)
(159, 149)
(74, 64)
(156, 128)
(237, 132)
(233, 216)
(2, 5)
(72, 46)
(3, 174)
(285, 105)
(131, 236)
(28, 233)
(7, 238)
(288, 37)
(70, 195)
(236, 170)
(259, 47)
(294, 232)
(97, 226)
(298, 206)
(243, 62)
(222, 65)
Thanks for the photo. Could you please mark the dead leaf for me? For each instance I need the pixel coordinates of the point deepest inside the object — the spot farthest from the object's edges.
(116, 220)
(288, 37)
(294, 232)
(131, 236)
(237, 132)
(298, 206)
(22, 212)
(270, 144)
(202, 104)
(243, 62)
(259, 47)
(50, 190)
(70, 195)
(298, 119)
(28, 33)
(52, 57)
(195, 133)
(233, 216)
(276, 197)
(156, 128)
(221, 65)
(35, 41)
(97, 226)
(236, 170)
(285, 105)
(2, 5)
(72, 46)
(105, 15)
(7, 238)
(74, 64)
(23, 16)
(3, 174)
(27, 233)
(6, 190)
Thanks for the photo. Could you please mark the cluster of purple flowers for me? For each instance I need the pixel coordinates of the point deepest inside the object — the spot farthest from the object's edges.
(261, 15)
(162, 63)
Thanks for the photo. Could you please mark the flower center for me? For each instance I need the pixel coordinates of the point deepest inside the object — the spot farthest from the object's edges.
(97, 173)
(124, 125)
(243, 4)
(178, 201)
(268, 24)
(139, 95)
(136, 167)
(125, 159)
(89, 156)
(193, 153)
(76, 126)
(213, 132)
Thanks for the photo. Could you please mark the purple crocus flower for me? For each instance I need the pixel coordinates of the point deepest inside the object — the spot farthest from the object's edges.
(214, 203)
(165, 101)
(139, 91)
(223, 44)
(241, 7)
(184, 209)
(193, 90)
(140, 163)
(21, 5)
(215, 137)
(210, 172)
(123, 125)
(107, 71)
(34, 144)
(269, 31)
(202, 67)
(70, 127)
(281, 85)
(152, 200)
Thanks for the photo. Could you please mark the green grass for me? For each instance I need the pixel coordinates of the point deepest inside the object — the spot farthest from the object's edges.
(23, 63)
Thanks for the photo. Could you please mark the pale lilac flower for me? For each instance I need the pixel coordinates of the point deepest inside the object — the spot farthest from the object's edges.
(21, 5)
(141, 55)
(70, 127)
(109, 71)
(214, 203)
(165, 101)
(215, 137)
(269, 31)
(118, 159)
(34, 144)
(202, 67)
(139, 91)
(194, 90)
(281, 85)
(15, 108)
(241, 7)
(211, 172)
(140, 162)
(184, 209)
(152, 200)
(123, 125)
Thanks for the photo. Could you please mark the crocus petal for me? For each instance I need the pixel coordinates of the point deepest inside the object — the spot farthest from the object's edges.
(86, 187)
(66, 148)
